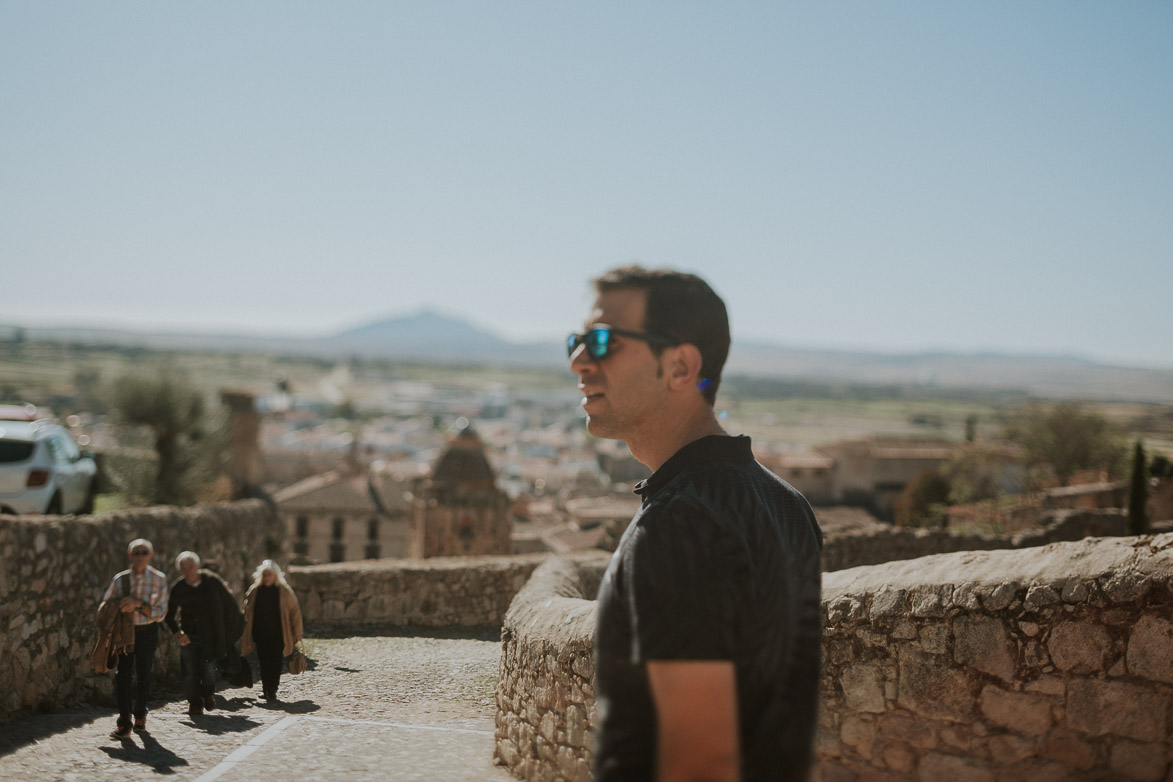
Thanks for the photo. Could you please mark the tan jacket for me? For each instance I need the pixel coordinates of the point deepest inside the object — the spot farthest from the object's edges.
(291, 629)
(115, 636)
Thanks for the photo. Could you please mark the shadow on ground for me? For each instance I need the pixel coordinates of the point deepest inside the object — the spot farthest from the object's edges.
(30, 728)
(151, 753)
(480, 633)
(219, 724)
(236, 703)
(292, 707)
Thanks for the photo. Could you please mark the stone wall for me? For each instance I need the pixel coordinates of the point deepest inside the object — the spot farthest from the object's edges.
(437, 592)
(1051, 663)
(54, 571)
(885, 543)
(545, 695)
(1048, 663)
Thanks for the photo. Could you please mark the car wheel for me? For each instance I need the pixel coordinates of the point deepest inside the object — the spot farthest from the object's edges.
(54, 508)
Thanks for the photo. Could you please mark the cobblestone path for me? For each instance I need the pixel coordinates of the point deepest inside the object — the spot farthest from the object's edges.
(370, 708)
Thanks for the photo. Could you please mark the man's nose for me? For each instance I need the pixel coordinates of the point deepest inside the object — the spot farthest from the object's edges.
(581, 362)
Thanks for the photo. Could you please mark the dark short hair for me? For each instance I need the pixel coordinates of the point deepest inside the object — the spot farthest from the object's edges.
(683, 307)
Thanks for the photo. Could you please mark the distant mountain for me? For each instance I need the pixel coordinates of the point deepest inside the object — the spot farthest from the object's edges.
(427, 334)
(432, 336)
(1040, 375)
(423, 336)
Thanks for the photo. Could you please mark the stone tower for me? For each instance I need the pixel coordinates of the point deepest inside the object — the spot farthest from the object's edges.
(244, 450)
(458, 509)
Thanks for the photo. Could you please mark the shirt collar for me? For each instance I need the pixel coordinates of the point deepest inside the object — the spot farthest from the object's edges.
(707, 450)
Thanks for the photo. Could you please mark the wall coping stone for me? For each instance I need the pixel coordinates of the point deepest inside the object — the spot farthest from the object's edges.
(554, 604)
(421, 565)
(432, 592)
(1122, 564)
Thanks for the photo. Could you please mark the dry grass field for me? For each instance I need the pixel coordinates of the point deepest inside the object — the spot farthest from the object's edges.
(48, 374)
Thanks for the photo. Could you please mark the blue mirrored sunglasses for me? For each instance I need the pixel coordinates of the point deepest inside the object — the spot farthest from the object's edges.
(598, 340)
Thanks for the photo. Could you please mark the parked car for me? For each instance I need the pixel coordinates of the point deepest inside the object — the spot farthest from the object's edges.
(43, 471)
(19, 412)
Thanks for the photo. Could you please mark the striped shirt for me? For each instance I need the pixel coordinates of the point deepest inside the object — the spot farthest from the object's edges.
(149, 586)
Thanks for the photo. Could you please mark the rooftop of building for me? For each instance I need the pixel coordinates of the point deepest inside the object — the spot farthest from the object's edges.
(464, 461)
(338, 490)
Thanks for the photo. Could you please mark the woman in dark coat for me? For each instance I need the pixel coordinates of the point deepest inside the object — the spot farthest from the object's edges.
(272, 622)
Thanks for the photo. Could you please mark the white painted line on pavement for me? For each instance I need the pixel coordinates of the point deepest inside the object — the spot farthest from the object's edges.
(398, 725)
(228, 763)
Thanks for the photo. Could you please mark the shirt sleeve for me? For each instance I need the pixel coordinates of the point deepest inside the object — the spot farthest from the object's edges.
(172, 609)
(111, 590)
(158, 598)
(686, 573)
(295, 614)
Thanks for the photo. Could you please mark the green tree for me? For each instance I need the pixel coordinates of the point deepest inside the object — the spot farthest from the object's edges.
(1138, 494)
(1160, 466)
(923, 501)
(87, 397)
(978, 473)
(188, 441)
(345, 409)
(1068, 438)
(18, 340)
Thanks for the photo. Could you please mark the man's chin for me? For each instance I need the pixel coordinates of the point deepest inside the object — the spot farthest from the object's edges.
(599, 428)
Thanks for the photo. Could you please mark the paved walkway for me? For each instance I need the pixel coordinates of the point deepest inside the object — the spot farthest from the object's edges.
(388, 707)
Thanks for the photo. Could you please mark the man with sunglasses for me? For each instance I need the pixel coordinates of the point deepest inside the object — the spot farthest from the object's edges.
(141, 592)
(708, 636)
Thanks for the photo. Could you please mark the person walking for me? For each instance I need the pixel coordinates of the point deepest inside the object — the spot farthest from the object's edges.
(141, 592)
(272, 623)
(206, 621)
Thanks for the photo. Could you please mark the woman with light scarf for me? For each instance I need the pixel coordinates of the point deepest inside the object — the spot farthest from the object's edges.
(272, 623)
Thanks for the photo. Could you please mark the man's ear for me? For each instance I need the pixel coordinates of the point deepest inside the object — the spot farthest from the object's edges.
(683, 366)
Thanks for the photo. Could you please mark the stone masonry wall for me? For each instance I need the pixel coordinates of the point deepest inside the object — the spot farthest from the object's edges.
(1051, 663)
(545, 692)
(436, 592)
(54, 571)
(888, 544)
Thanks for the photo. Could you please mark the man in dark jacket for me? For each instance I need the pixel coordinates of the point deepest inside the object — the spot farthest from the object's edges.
(209, 623)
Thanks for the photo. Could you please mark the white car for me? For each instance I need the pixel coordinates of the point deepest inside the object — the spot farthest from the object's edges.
(43, 471)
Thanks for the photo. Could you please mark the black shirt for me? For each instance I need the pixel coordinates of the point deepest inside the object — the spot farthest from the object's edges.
(720, 563)
(267, 614)
(195, 606)
(203, 613)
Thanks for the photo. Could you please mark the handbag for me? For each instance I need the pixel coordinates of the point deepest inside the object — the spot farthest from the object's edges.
(297, 662)
(235, 669)
(244, 677)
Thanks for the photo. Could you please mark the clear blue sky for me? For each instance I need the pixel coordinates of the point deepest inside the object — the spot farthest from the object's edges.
(895, 176)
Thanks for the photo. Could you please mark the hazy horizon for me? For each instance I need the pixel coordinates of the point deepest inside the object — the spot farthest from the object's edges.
(895, 179)
(213, 332)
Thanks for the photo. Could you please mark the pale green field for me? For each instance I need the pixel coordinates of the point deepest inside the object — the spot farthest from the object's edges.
(38, 372)
(810, 422)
